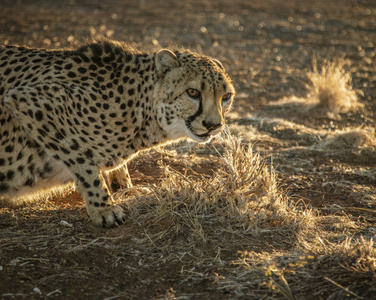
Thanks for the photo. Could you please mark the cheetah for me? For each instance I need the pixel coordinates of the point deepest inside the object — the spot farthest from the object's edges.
(68, 115)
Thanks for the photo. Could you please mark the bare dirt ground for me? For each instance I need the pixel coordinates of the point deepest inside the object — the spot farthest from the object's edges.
(317, 242)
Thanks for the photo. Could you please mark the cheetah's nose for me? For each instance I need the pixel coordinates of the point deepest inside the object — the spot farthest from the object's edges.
(211, 126)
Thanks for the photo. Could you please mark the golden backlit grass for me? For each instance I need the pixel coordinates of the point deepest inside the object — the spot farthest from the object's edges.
(242, 207)
(243, 194)
(349, 140)
(331, 87)
(235, 232)
(322, 268)
(329, 93)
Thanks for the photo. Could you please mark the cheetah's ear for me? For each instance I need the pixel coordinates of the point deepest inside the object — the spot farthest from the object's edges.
(219, 64)
(165, 60)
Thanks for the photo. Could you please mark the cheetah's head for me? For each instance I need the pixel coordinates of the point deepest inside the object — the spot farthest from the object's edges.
(193, 93)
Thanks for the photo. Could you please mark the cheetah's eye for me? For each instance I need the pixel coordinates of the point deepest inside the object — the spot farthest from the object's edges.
(194, 94)
(226, 97)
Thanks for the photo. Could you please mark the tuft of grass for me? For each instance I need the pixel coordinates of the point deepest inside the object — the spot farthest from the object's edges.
(329, 92)
(353, 139)
(243, 194)
(232, 231)
(195, 218)
(331, 87)
(318, 267)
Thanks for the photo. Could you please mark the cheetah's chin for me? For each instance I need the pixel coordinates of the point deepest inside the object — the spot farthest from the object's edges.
(204, 139)
(200, 138)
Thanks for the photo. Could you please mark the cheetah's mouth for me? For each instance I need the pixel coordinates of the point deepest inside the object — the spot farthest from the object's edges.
(204, 137)
(201, 138)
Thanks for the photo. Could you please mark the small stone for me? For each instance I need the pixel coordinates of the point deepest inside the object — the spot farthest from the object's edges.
(66, 224)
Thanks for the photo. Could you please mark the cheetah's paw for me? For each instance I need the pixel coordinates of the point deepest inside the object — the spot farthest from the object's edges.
(109, 216)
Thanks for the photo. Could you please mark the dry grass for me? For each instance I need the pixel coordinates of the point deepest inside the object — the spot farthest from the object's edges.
(243, 194)
(329, 93)
(197, 216)
(214, 222)
(320, 268)
(331, 87)
(235, 233)
(349, 140)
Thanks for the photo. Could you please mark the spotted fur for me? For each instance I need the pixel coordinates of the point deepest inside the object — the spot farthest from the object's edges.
(68, 115)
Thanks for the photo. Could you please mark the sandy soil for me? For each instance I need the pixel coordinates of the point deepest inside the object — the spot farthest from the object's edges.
(267, 47)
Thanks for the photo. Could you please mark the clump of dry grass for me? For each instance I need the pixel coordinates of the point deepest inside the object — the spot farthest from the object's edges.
(331, 87)
(329, 91)
(352, 264)
(195, 216)
(353, 139)
(191, 227)
(241, 198)
(322, 268)
(356, 254)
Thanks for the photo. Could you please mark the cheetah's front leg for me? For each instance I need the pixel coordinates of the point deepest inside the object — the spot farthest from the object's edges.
(43, 111)
(118, 178)
(96, 197)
